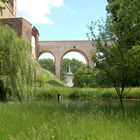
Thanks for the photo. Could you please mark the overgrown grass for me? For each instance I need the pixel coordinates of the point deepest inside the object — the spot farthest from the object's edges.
(96, 120)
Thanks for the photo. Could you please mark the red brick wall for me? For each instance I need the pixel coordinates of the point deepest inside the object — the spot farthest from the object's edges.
(35, 33)
(26, 30)
(22, 27)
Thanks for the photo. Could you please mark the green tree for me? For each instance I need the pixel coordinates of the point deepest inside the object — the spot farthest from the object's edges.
(73, 63)
(114, 43)
(48, 64)
(16, 66)
(85, 77)
(125, 21)
(125, 25)
(134, 65)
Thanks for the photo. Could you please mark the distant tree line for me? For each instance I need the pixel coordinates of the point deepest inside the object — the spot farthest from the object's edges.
(74, 64)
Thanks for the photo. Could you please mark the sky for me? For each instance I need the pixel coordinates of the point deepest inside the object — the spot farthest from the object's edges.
(61, 19)
(70, 55)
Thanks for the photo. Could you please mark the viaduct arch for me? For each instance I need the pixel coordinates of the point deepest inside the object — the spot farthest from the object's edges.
(59, 48)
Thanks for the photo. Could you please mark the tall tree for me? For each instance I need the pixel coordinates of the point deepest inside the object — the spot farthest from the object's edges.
(115, 41)
(125, 19)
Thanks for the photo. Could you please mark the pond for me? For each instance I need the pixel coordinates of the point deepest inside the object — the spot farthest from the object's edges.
(96, 104)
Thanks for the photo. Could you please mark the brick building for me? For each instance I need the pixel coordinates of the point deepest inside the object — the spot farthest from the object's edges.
(22, 27)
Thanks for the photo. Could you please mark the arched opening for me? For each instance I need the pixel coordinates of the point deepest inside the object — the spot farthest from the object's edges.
(47, 61)
(71, 61)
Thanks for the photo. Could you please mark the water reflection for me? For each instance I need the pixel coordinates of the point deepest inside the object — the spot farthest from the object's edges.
(108, 107)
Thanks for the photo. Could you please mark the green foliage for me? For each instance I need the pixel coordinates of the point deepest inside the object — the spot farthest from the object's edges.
(91, 93)
(47, 78)
(17, 68)
(84, 77)
(101, 79)
(114, 60)
(42, 79)
(73, 63)
(125, 25)
(114, 44)
(125, 19)
(133, 56)
(48, 64)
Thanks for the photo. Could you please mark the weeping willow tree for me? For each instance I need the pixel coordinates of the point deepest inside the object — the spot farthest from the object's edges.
(17, 69)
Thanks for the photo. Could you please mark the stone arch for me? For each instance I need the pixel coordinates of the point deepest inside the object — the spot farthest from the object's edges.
(60, 48)
(46, 51)
(79, 51)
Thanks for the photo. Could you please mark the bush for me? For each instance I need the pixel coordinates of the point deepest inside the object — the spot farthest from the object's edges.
(85, 78)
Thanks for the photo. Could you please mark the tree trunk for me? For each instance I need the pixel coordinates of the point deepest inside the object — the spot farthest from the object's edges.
(121, 101)
(2, 91)
(120, 95)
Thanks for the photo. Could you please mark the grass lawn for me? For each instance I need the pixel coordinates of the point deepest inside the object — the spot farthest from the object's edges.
(68, 120)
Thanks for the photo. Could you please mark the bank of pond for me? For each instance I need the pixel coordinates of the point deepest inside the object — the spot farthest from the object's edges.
(95, 93)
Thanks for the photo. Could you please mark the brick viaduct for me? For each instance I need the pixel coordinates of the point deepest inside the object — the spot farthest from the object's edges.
(59, 48)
